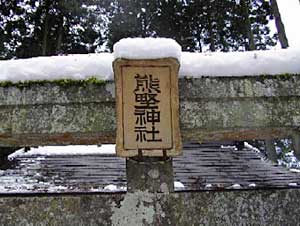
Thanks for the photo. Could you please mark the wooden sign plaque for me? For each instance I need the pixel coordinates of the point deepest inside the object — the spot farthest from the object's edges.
(147, 107)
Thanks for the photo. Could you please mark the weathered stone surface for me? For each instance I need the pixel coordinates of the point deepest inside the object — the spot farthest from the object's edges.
(232, 208)
(213, 108)
(240, 87)
(54, 114)
(149, 174)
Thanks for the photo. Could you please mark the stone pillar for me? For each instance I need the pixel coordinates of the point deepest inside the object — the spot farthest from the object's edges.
(152, 174)
(271, 150)
(296, 144)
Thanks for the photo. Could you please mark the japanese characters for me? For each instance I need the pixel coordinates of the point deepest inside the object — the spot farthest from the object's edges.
(146, 109)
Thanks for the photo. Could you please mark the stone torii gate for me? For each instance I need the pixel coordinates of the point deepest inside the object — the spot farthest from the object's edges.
(210, 109)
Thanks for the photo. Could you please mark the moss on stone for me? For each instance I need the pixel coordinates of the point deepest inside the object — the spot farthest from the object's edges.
(62, 82)
(285, 76)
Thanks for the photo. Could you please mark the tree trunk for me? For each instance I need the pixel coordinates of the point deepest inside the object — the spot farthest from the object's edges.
(199, 42)
(46, 29)
(59, 35)
(212, 45)
(279, 25)
(249, 32)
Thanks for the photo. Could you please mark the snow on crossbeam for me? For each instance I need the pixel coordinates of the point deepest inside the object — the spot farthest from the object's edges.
(84, 66)
(252, 63)
(147, 48)
(75, 67)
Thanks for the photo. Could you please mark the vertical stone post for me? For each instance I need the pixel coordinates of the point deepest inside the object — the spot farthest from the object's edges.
(154, 175)
(271, 151)
(296, 144)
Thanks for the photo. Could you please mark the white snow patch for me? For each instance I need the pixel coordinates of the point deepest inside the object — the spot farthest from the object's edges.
(178, 185)
(147, 48)
(253, 185)
(249, 146)
(235, 186)
(208, 186)
(271, 62)
(228, 147)
(111, 187)
(96, 189)
(107, 149)
(114, 188)
(295, 170)
(16, 154)
(293, 184)
(65, 150)
(78, 67)
(57, 188)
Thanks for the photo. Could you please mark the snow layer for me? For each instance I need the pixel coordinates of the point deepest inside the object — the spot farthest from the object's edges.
(77, 67)
(249, 146)
(178, 185)
(253, 185)
(208, 186)
(65, 150)
(271, 62)
(112, 187)
(147, 48)
(292, 184)
(235, 186)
